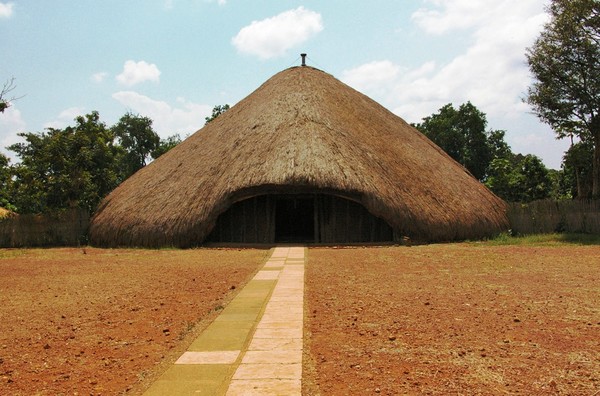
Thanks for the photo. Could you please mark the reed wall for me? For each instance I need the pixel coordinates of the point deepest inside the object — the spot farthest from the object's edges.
(64, 228)
(548, 216)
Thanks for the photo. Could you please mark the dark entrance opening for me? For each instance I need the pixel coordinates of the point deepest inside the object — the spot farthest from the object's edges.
(299, 218)
(295, 219)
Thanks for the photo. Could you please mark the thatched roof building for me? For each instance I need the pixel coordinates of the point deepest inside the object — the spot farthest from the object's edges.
(304, 158)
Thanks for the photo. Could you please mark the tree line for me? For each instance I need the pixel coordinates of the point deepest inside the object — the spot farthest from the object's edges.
(462, 133)
(565, 64)
(78, 165)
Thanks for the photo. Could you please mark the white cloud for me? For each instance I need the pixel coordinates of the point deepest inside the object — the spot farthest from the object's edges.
(491, 71)
(187, 118)
(448, 15)
(65, 118)
(99, 77)
(444, 16)
(272, 37)
(138, 72)
(6, 10)
(372, 76)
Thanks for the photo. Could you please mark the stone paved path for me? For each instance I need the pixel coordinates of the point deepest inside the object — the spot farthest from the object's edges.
(254, 347)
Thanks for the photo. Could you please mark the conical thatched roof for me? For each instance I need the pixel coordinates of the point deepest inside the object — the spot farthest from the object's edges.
(301, 131)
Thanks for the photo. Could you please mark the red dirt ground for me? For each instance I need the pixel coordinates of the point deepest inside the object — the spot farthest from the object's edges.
(108, 321)
(459, 319)
(441, 320)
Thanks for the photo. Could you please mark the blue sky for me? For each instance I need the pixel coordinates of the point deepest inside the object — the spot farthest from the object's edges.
(173, 60)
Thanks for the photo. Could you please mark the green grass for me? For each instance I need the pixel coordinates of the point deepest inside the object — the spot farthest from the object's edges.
(545, 239)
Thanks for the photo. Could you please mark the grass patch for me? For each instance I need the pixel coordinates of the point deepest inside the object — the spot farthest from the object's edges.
(11, 253)
(545, 239)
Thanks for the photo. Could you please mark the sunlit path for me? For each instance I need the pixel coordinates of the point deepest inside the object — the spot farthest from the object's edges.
(255, 346)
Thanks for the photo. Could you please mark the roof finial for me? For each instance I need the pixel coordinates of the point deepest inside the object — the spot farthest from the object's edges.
(303, 59)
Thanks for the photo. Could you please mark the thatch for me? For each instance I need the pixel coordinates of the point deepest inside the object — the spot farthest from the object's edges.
(5, 213)
(301, 131)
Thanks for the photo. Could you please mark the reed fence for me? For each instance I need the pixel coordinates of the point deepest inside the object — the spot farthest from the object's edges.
(548, 216)
(64, 228)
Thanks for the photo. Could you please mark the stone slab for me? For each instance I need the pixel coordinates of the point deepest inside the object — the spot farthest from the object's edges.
(270, 387)
(266, 275)
(275, 344)
(282, 357)
(282, 317)
(296, 324)
(191, 380)
(212, 357)
(268, 371)
(278, 333)
(221, 338)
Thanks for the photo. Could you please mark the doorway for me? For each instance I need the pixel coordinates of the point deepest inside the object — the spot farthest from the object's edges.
(299, 218)
(294, 219)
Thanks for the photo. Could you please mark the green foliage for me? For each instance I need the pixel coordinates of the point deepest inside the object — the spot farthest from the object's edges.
(519, 178)
(577, 170)
(165, 145)
(504, 179)
(544, 240)
(5, 183)
(558, 191)
(73, 167)
(498, 146)
(564, 62)
(477, 152)
(536, 183)
(138, 140)
(461, 134)
(79, 165)
(217, 111)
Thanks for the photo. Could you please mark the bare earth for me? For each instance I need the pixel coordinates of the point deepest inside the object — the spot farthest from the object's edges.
(107, 321)
(441, 320)
(453, 320)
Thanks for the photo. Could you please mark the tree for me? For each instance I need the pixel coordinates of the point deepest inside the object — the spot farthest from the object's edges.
(477, 152)
(7, 88)
(5, 183)
(217, 111)
(564, 64)
(165, 145)
(138, 139)
(535, 181)
(558, 192)
(504, 180)
(461, 134)
(519, 178)
(40, 176)
(96, 165)
(577, 170)
(441, 128)
(498, 146)
(62, 168)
